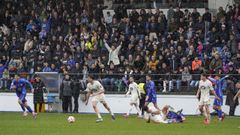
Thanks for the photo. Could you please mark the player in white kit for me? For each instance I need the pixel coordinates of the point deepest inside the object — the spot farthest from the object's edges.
(205, 87)
(166, 115)
(96, 91)
(135, 97)
(154, 115)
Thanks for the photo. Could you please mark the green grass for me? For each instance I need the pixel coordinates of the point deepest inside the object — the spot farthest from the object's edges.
(56, 124)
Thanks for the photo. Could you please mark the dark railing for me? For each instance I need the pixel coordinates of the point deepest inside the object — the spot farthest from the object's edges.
(118, 83)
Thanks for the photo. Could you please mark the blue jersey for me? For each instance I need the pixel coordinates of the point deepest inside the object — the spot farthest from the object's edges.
(151, 91)
(220, 85)
(178, 117)
(20, 85)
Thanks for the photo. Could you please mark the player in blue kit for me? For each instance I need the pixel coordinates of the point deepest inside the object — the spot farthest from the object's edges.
(151, 92)
(220, 85)
(19, 85)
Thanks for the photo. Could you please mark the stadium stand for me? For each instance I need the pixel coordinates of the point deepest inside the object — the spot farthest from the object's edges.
(62, 36)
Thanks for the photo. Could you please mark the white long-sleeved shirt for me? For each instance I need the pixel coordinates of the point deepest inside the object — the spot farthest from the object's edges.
(133, 90)
(113, 54)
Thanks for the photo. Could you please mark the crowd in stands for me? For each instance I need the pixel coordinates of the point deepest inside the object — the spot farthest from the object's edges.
(62, 36)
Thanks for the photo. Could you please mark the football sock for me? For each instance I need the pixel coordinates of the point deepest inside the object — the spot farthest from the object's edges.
(129, 110)
(29, 109)
(99, 116)
(219, 113)
(23, 108)
(138, 110)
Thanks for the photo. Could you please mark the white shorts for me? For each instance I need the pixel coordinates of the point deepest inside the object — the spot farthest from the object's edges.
(134, 100)
(204, 101)
(99, 98)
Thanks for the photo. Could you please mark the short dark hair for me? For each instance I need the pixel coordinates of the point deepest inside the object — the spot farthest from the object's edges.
(131, 76)
(91, 76)
(204, 74)
(149, 75)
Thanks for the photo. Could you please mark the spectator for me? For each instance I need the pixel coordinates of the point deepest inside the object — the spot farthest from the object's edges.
(46, 67)
(39, 89)
(66, 94)
(153, 63)
(196, 76)
(195, 15)
(186, 77)
(108, 18)
(113, 53)
(170, 13)
(196, 63)
(216, 63)
(207, 16)
(231, 92)
(62, 34)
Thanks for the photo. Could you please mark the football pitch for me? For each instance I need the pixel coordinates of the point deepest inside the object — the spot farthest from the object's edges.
(56, 124)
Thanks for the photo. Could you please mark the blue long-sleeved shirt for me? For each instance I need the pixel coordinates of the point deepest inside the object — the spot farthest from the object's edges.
(46, 25)
(151, 89)
(47, 69)
(21, 85)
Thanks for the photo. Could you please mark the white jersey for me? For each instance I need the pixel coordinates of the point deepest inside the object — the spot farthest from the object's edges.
(159, 118)
(205, 87)
(133, 89)
(95, 87)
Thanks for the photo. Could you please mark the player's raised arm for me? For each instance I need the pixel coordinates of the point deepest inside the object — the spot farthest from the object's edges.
(223, 78)
(212, 79)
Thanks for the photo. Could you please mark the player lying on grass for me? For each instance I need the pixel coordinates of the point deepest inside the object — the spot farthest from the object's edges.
(19, 85)
(135, 97)
(205, 86)
(96, 91)
(166, 115)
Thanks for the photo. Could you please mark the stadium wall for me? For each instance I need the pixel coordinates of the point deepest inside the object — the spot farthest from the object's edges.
(119, 103)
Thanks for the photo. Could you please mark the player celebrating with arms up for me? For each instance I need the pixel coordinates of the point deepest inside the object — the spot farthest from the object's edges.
(96, 91)
(220, 85)
(205, 86)
(135, 97)
(19, 84)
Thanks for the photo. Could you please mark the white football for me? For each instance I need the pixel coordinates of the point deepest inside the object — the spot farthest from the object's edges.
(71, 119)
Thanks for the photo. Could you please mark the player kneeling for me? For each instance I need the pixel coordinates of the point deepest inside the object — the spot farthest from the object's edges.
(166, 115)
